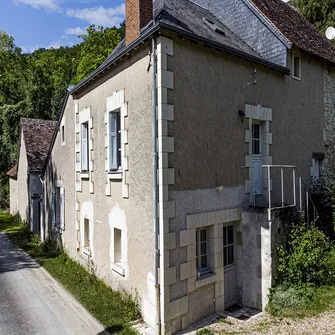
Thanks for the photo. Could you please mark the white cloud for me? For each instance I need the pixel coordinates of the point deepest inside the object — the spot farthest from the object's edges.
(100, 16)
(48, 5)
(75, 31)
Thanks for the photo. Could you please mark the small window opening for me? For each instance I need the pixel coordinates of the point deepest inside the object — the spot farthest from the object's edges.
(202, 252)
(63, 133)
(87, 233)
(117, 246)
(256, 138)
(296, 67)
(228, 245)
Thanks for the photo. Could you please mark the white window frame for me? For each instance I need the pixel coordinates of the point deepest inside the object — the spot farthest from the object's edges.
(294, 56)
(202, 271)
(115, 167)
(85, 161)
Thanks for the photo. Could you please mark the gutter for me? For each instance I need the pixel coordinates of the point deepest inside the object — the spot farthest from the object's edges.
(161, 25)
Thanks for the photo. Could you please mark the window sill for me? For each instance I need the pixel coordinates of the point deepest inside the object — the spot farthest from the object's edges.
(296, 78)
(115, 175)
(86, 251)
(84, 175)
(206, 280)
(117, 268)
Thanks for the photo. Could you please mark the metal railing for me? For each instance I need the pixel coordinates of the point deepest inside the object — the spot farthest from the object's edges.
(299, 188)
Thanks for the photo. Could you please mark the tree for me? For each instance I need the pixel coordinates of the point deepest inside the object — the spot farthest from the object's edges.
(97, 44)
(320, 13)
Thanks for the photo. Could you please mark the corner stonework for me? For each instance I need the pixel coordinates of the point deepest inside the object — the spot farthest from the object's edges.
(165, 145)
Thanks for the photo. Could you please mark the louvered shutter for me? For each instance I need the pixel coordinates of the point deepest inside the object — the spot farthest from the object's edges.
(53, 206)
(84, 147)
(113, 145)
(61, 209)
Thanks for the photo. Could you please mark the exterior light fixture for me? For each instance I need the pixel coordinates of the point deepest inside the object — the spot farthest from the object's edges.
(241, 114)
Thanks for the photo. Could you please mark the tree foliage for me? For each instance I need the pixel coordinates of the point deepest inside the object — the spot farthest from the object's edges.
(321, 13)
(34, 85)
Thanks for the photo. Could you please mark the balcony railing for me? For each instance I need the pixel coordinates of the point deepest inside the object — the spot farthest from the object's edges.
(284, 187)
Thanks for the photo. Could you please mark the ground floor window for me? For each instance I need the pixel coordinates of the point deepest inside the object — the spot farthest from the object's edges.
(202, 251)
(87, 233)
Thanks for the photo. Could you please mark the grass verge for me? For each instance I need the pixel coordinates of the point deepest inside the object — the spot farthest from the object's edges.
(114, 309)
(289, 303)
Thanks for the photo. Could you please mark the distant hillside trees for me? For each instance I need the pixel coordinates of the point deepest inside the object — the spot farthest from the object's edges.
(34, 85)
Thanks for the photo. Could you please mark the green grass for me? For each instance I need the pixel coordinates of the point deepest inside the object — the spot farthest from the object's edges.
(114, 309)
(322, 300)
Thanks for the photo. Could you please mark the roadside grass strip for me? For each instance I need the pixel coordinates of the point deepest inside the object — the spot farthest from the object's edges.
(114, 309)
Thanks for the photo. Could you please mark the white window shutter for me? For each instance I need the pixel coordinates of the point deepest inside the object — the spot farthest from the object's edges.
(84, 147)
(61, 210)
(113, 145)
(53, 206)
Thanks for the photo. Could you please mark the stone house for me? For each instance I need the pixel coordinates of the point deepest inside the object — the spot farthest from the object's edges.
(26, 189)
(171, 163)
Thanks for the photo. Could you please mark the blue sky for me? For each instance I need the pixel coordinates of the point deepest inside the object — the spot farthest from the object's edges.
(52, 23)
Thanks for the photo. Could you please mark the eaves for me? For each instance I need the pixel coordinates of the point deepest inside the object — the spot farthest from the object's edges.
(161, 25)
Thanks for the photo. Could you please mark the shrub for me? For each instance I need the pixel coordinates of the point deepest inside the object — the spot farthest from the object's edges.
(308, 259)
(323, 195)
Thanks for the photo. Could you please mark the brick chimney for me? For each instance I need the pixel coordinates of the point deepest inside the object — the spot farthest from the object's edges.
(138, 14)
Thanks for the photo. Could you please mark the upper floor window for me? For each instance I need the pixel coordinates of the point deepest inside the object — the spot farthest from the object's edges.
(84, 146)
(296, 66)
(114, 141)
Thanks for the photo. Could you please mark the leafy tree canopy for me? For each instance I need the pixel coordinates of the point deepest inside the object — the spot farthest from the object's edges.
(321, 13)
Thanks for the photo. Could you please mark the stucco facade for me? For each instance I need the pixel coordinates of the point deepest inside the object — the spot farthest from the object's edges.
(110, 201)
(211, 158)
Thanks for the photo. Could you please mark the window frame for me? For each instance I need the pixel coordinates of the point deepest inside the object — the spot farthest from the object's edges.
(84, 128)
(202, 271)
(226, 246)
(115, 167)
(296, 55)
(58, 203)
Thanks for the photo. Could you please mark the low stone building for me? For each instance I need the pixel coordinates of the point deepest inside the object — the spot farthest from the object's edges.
(26, 189)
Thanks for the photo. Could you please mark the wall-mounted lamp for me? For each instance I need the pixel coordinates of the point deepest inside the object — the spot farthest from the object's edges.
(241, 114)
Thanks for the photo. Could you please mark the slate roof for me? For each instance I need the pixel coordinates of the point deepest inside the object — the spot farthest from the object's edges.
(198, 22)
(192, 18)
(12, 173)
(295, 28)
(37, 136)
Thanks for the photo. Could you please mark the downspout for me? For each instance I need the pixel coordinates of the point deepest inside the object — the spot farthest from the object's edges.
(42, 210)
(155, 158)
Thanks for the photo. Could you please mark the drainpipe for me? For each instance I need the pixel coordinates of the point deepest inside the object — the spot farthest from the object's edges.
(155, 157)
(42, 210)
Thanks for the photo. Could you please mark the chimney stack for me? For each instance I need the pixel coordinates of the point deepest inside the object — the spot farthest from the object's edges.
(138, 14)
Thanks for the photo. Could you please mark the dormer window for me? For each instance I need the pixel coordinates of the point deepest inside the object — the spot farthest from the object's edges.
(296, 66)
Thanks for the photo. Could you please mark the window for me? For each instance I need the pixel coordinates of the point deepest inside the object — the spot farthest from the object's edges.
(228, 245)
(63, 133)
(117, 246)
(256, 139)
(114, 141)
(58, 207)
(202, 252)
(296, 66)
(87, 233)
(84, 147)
